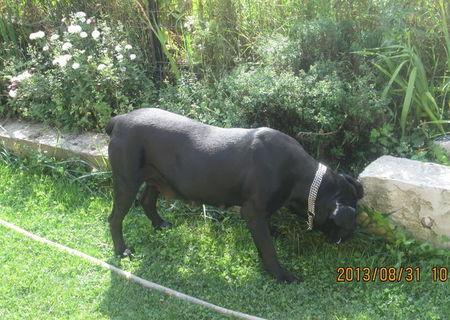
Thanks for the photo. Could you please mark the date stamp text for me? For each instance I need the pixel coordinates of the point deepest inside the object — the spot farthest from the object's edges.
(389, 274)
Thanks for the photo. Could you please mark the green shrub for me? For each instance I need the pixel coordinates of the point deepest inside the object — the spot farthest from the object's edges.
(315, 41)
(278, 51)
(329, 115)
(320, 40)
(215, 37)
(81, 76)
(332, 117)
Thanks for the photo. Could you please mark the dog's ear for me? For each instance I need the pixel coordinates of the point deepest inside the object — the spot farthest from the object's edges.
(344, 216)
(357, 186)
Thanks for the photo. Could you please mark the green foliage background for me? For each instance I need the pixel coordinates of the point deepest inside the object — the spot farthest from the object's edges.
(350, 79)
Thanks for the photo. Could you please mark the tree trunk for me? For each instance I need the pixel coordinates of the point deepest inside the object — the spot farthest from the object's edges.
(157, 51)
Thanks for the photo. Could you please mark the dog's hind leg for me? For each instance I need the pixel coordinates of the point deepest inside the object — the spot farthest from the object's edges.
(126, 182)
(148, 202)
(124, 195)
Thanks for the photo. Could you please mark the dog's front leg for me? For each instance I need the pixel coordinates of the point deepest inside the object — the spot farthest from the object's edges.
(148, 202)
(257, 222)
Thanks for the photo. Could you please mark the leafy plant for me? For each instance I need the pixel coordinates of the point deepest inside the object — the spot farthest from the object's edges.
(432, 153)
(330, 115)
(72, 169)
(216, 42)
(404, 67)
(162, 35)
(81, 76)
(443, 24)
(7, 31)
(417, 67)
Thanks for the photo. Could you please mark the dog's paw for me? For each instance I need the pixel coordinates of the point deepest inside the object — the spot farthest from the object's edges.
(288, 277)
(127, 253)
(164, 225)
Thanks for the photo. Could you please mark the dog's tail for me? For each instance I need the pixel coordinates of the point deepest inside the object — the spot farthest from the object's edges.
(110, 125)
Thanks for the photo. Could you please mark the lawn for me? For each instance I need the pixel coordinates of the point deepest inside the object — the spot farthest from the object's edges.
(212, 258)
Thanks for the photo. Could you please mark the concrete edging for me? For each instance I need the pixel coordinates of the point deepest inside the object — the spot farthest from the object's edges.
(18, 136)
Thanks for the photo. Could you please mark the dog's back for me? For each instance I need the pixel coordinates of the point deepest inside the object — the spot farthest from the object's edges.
(152, 117)
(110, 125)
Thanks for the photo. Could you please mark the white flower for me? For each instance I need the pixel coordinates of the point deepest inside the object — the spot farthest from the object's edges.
(95, 34)
(62, 60)
(101, 66)
(63, 63)
(20, 77)
(132, 56)
(13, 93)
(128, 47)
(89, 58)
(189, 22)
(45, 48)
(119, 57)
(40, 34)
(80, 14)
(75, 66)
(118, 48)
(66, 46)
(74, 29)
(37, 35)
(54, 37)
(83, 34)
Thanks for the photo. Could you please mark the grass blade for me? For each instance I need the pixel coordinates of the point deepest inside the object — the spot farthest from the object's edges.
(408, 96)
(432, 114)
(444, 25)
(398, 80)
(393, 78)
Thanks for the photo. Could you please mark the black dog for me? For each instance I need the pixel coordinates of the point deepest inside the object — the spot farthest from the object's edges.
(259, 169)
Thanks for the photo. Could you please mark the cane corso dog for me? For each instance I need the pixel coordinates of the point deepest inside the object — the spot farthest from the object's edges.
(259, 170)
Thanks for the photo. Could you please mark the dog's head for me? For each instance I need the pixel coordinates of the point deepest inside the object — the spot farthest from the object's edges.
(337, 216)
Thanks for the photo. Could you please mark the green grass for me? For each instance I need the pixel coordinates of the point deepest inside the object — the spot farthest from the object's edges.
(211, 260)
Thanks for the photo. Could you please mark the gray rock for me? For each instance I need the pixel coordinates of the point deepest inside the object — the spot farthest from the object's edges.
(91, 147)
(415, 194)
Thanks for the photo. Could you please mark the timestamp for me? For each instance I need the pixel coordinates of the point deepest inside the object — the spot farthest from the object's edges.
(389, 274)
(382, 274)
(440, 274)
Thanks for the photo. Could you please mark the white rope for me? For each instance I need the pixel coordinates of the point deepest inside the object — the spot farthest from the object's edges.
(130, 276)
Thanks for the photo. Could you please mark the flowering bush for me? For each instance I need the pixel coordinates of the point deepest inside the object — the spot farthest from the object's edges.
(81, 76)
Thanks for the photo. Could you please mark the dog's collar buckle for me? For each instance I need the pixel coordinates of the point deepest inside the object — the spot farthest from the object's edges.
(313, 190)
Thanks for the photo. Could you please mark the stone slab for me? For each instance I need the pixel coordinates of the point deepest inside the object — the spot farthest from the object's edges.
(89, 146)
(415, 194)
